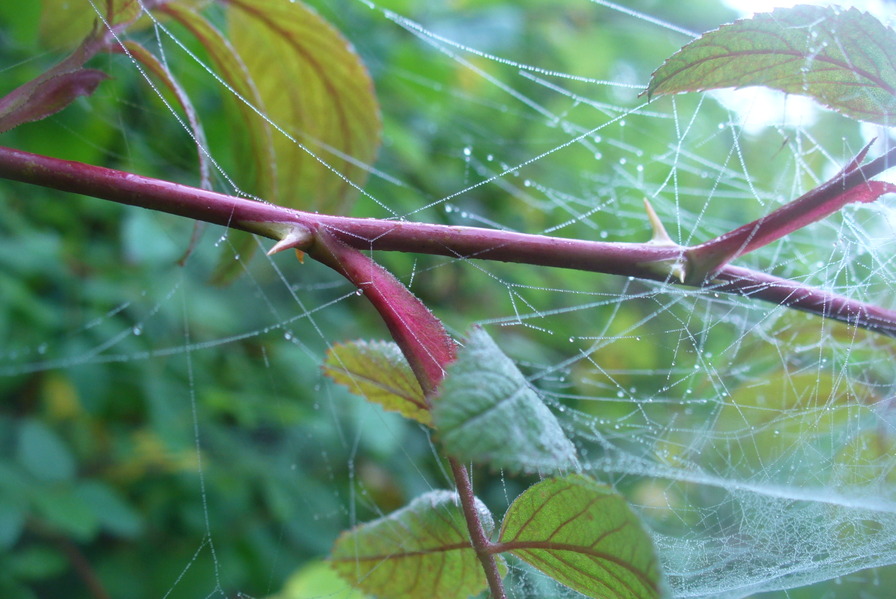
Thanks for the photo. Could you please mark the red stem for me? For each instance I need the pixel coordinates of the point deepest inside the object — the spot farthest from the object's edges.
(641, 260)
(852, 184)
(482, 545)
(428, 348)
(418, 333)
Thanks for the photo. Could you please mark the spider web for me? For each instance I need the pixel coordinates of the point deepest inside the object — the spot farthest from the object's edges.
(757, 442)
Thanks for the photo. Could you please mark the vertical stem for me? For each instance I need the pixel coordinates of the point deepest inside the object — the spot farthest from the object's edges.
(428, 349)
(481, 543)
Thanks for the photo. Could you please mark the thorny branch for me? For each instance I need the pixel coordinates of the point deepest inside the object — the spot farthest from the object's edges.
(296, 229)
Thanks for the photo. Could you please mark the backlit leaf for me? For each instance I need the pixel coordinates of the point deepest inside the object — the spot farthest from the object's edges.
(487, 412)
(421, 550)
(378, 371)
(585, 535)
(308, 103)
(845, 60)
(313, 85)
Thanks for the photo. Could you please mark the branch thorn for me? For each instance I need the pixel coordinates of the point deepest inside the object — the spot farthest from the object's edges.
(660, 236)
(294, 236)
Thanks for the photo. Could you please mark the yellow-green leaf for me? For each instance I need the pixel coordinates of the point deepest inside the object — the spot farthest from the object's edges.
(844, 59)
(313, 86)
(584, 535)
(421, 550)
(378, 371)
(65, 23)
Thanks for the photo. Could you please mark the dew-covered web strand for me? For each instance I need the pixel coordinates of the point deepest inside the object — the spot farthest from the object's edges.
(691, 319)
(197, 437)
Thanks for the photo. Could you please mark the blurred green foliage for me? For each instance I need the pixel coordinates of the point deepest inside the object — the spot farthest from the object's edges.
(163, 437)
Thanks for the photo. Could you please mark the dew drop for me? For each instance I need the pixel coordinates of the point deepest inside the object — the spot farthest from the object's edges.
(468, 151)
(598, 155)
(42, 348)
(137, 331)
(622, 161)
(359, 291)
(489, 158)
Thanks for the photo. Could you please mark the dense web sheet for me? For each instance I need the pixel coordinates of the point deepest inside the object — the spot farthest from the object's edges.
(758, 442)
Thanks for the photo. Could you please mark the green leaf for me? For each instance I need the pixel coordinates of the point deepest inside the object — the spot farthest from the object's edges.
(111, 510)
(584, 535)
(63, 509)
(845, 60)
(43, 453)
(13, 513)
(421, 550)
(487, 412)
(378, 371)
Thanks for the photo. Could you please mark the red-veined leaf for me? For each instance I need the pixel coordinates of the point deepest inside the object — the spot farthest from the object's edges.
(314, 87)
(378, 371)
(585, 535)
(845, 60)
(421, 550)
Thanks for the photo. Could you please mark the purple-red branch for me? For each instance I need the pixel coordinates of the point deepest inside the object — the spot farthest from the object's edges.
(642, 260)
(849, 185)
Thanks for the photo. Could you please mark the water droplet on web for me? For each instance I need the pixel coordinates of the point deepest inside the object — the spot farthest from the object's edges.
(137, 331)
(640, 168)
(597, 139)
(449, 208)
(489, 158)
(42, 348)
(527, 183)
(620, 394)
(359, 292)
(287, 335)
(572, 339)
(468, 151)
(622, 161)
(622, 123)
(598, 155)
